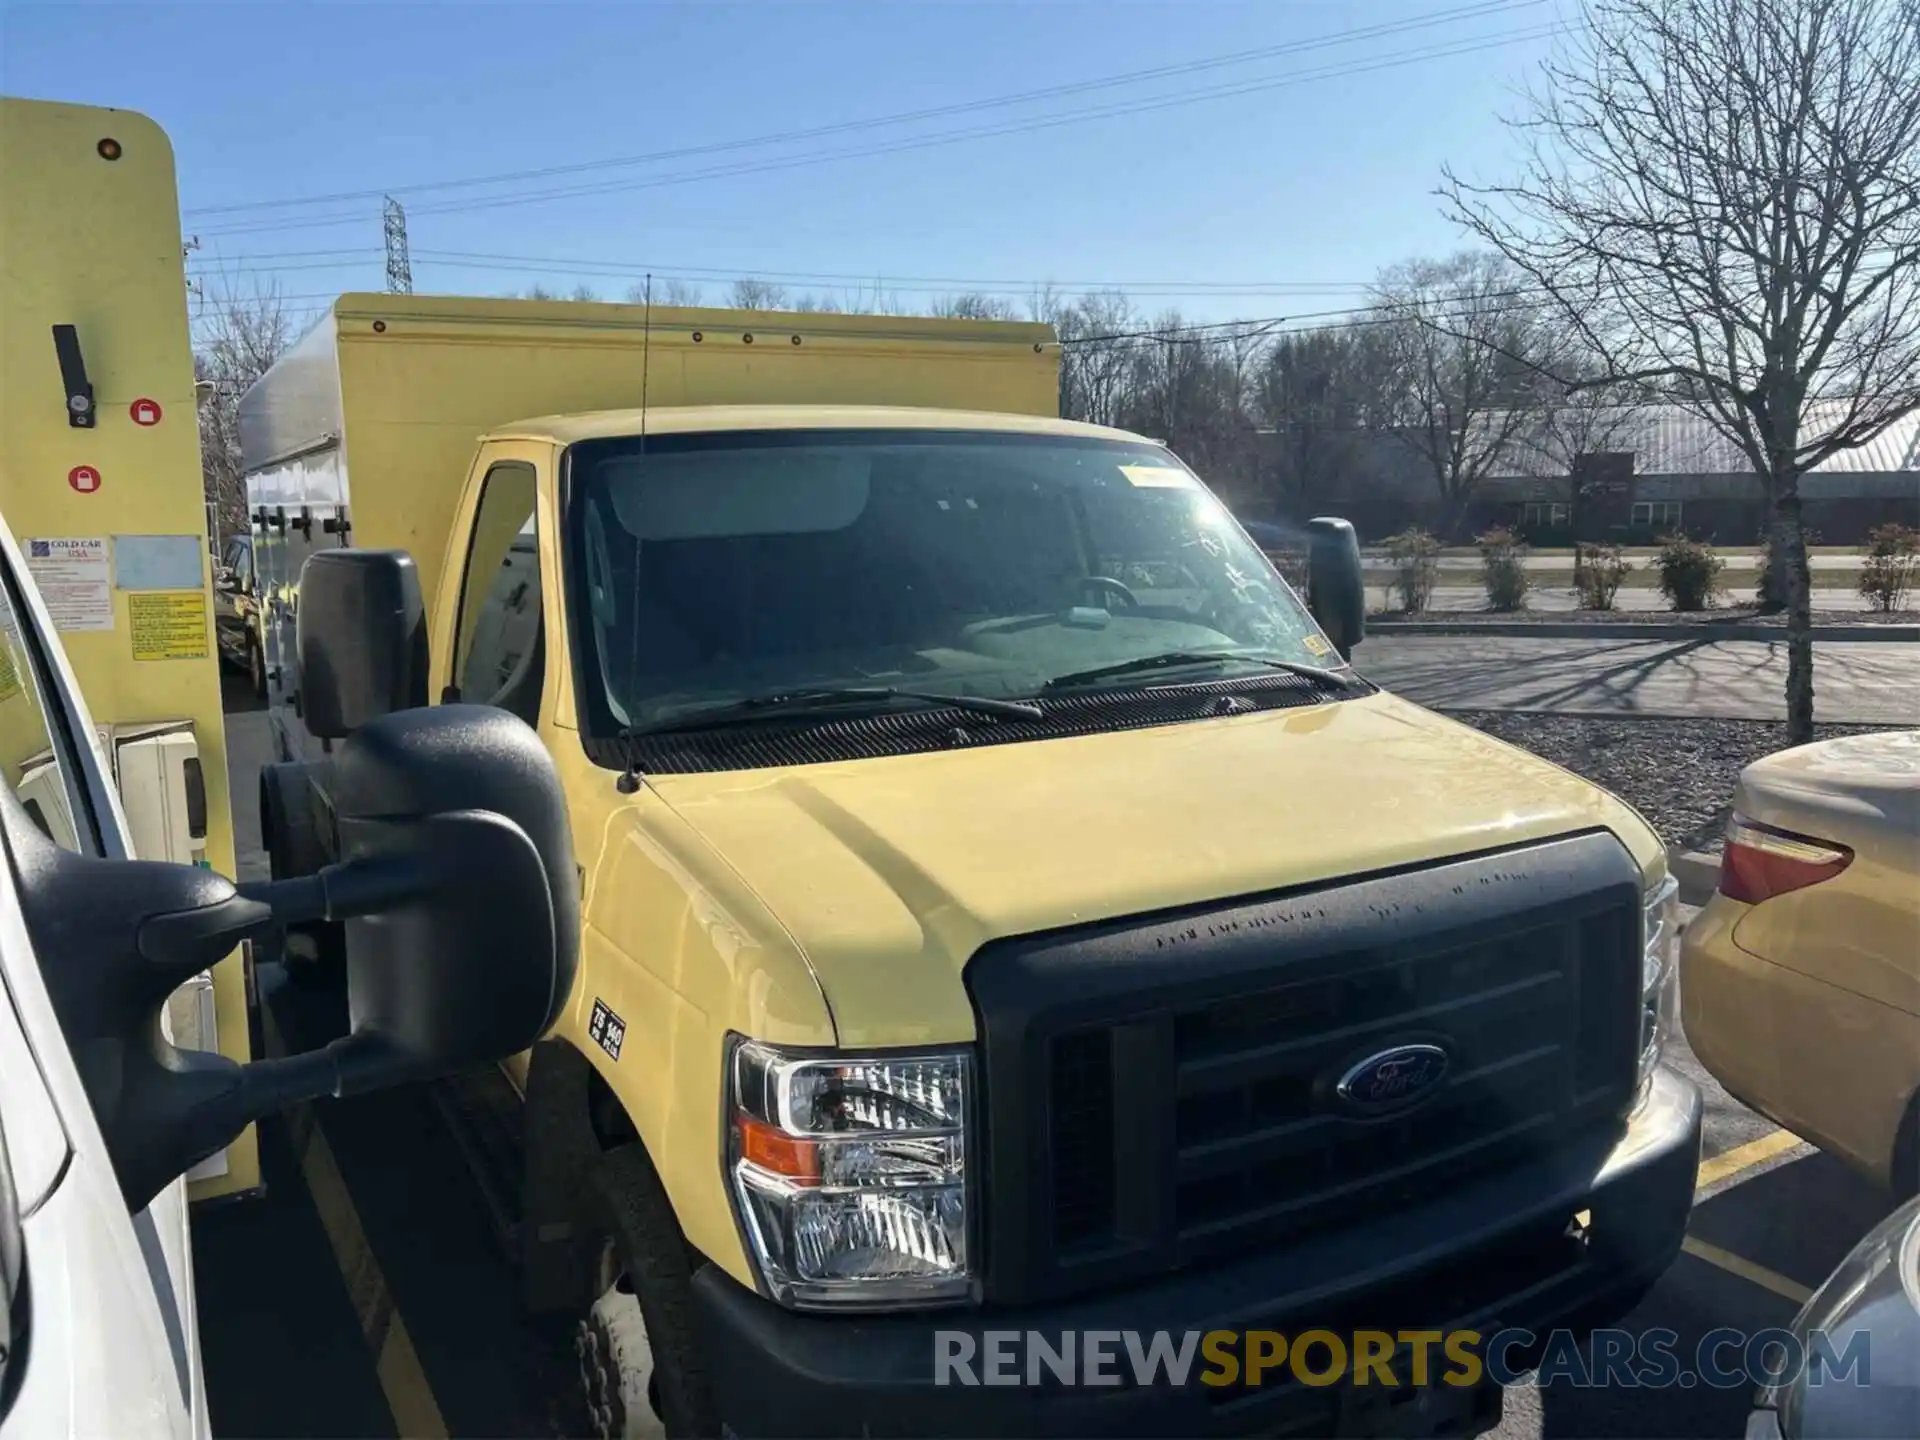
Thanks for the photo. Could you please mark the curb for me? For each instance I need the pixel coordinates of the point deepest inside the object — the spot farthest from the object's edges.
(1707, 632)
(1698, 872)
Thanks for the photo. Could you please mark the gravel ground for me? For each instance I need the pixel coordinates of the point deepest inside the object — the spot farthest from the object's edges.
(1723, 615)
(1678, 773)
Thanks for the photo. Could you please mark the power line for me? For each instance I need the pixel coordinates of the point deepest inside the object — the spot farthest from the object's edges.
(455, 259)
(1128, 108)
(1379, 30)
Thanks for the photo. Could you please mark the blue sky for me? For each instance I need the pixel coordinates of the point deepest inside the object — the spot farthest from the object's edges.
(1297, 188)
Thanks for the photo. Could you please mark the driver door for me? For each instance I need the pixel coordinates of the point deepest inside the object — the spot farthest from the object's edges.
(105, 1337)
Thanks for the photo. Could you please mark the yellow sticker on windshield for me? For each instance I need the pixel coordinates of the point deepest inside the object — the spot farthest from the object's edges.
(1316, 644)
(1159, 477)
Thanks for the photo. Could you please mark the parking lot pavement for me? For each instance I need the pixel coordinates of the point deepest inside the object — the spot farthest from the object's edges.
(375, 1280)
(1864, 682)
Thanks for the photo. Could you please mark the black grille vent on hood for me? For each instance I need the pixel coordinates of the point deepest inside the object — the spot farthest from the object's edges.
(821, 738)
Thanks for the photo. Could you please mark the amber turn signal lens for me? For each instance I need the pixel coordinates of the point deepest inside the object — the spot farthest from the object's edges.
(775, 1150)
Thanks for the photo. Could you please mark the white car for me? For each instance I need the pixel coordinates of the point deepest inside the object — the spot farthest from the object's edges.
(99, 1335)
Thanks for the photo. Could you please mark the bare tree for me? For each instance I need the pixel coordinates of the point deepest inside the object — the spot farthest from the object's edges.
(1317, 391)
(667, 290)
(972, 305)
(1589, 418)
(1465, 382)
(1096, 364)
(237, 338)
(1722, 199)
(751, 294)
(579, 292)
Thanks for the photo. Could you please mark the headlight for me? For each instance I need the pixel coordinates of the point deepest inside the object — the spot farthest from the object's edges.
(850, 1173)
(1659, 975)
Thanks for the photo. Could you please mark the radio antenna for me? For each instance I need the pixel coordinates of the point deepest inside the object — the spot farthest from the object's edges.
(646, 353)
(629, 780)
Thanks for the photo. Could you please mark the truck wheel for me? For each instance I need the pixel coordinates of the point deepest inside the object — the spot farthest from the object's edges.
(638, 1362)
(256, 669)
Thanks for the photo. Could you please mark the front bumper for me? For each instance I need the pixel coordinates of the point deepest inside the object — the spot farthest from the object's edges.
(788, 1374)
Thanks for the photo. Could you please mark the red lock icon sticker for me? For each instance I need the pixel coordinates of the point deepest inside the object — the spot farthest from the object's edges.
(145, 411)
(84, 478)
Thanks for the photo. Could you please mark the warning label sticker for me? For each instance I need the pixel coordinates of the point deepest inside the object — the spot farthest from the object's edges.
(73, 576)
(168, 624)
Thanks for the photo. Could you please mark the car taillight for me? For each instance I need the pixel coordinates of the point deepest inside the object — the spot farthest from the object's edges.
(1762, 861)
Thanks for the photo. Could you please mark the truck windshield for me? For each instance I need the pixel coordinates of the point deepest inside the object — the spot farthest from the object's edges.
(714, 567)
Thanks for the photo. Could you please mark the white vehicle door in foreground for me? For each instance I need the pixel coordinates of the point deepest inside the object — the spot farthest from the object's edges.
(99, 1336)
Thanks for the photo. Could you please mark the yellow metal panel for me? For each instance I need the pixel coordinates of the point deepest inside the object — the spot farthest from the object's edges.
(95, 243)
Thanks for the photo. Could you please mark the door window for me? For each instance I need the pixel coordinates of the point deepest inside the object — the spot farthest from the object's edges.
(498, 655)
(36, 746)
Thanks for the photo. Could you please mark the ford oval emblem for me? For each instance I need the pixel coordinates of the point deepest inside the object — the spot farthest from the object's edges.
(1393, 1079)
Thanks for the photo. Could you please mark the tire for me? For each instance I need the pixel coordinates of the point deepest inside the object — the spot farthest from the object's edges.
(652, 1259)
(256, 669)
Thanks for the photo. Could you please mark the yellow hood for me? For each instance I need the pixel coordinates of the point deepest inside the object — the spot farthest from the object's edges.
(889, 873)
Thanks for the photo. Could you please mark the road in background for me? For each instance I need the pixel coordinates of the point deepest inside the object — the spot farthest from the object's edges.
(1864, 682)
(1559, 600)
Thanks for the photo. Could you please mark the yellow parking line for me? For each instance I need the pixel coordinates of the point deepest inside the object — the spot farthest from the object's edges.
(1744, 1157)
(1744, 1268)
(416, 1415)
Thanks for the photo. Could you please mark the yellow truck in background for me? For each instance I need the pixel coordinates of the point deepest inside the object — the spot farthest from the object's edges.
(1003, 906)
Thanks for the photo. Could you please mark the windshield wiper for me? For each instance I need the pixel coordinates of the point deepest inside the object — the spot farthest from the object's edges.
(1171, 658)
(800, 702)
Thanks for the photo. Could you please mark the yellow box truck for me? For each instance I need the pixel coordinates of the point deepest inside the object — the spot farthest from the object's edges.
(1004, 908)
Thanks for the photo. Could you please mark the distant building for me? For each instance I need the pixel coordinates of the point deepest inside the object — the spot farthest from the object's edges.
(1650, 471)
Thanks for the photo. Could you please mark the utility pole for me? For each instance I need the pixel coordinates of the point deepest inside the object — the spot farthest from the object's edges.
(399, 266)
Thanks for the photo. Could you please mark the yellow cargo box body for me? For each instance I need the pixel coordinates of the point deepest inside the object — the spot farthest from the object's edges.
(111, 515)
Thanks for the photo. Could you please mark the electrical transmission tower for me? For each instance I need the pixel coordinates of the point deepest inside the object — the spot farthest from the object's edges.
(399, 267)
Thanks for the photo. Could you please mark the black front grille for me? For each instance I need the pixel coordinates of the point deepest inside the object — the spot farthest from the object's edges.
(1170, 1083)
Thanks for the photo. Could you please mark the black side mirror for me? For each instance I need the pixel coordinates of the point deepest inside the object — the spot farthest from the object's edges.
(460, 900)
(1336, 588)
(362, 639)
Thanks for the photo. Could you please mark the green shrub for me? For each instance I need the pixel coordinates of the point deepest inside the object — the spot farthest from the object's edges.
(1415, 557)
(1892, 560)
(1689, 572)
(1598, 571)
(1503, 568)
